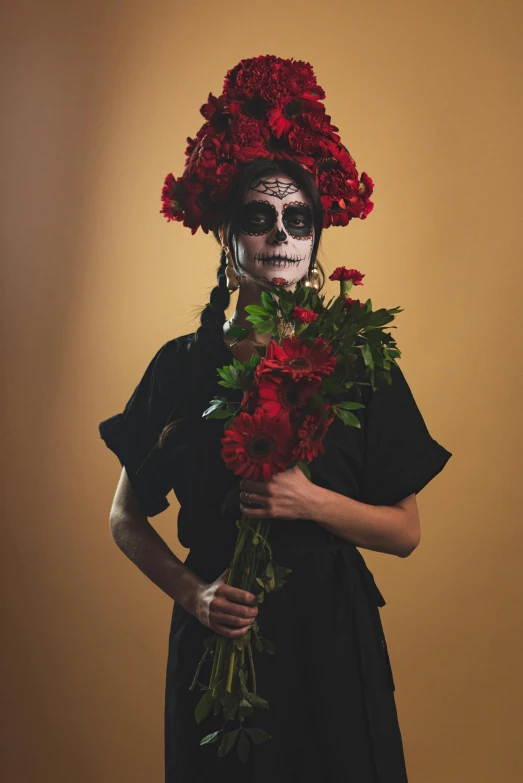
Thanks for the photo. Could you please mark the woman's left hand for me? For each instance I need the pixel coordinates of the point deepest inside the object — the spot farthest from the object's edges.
(287, 495)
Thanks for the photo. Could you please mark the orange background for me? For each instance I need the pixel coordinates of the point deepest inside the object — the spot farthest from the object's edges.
(99, 98)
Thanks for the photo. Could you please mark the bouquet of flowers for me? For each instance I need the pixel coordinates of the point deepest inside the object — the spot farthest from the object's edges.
(292, 389)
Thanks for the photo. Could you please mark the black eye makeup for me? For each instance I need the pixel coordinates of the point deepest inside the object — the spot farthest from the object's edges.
(259, 217)
(297, 219)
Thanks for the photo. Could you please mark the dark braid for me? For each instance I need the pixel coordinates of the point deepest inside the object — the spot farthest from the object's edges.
(212, 317)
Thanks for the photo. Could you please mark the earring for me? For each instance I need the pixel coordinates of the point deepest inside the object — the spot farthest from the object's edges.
(313, 280)
(233, 280)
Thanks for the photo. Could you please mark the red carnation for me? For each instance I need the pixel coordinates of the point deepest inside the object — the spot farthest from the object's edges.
(311, 434)
(366, 185)
(270, 107)
(334, 212)
(303, 140)
(173, 202)
(318, 121)
(248, 131)
(257, 446)
(303, 316)
(342, 273)
(296, 357)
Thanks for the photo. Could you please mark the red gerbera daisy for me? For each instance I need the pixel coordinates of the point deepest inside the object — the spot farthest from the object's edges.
(258, 446)
(311, 434)
(278, 395)
(296, 357)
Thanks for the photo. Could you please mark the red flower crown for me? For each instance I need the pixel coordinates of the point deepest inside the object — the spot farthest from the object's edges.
(269, 108)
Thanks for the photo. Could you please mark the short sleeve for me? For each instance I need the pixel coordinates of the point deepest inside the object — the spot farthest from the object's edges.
(133, 434)
(401, 456)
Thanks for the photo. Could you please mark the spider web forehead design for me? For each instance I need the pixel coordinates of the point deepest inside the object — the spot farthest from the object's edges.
(275, 187)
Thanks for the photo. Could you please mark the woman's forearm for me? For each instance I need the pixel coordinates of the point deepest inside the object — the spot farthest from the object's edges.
(380, 528)
(138, 539)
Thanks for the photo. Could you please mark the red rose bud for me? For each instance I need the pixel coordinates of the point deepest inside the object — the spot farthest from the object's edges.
(278, 281)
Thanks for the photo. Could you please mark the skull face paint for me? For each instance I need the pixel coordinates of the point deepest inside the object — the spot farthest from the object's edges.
(259, 217)
(276, 231)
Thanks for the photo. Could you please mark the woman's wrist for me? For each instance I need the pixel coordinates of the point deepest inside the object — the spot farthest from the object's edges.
(186, 586)
(313, 502)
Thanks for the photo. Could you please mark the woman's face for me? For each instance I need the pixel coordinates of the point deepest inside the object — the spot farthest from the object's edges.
(277, 233)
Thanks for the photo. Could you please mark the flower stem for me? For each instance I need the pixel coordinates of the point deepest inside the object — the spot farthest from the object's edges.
(202, 659)
(251, 667)
(232, 658)
(215, 675)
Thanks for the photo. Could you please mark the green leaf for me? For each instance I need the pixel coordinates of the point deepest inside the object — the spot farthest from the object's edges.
(265, 329)
(211, 738)
(238, 331)
(244, 747)
(220, 414)
(257, 735)
(367, 355)
(203, 707)
(257, 701)
(268, 302)
(256, 310)
(245, 708)
(228, 740)
(348, 418)
(350, 405)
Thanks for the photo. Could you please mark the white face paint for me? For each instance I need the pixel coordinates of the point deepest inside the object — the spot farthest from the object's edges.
(277, 232)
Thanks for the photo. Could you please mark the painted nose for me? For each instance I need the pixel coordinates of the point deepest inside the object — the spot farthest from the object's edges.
(280, 235)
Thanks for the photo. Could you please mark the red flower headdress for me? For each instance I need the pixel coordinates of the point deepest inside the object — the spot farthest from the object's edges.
(270, 107)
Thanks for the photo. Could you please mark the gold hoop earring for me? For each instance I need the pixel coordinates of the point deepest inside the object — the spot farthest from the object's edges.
(233, 280)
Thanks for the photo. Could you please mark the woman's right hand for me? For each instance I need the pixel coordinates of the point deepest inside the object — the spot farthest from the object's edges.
(224, 609)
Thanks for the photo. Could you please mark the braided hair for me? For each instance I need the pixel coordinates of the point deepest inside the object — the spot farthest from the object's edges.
(212, 317)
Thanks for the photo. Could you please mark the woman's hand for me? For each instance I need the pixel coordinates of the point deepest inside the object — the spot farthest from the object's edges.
(226, 610)
(288, 495)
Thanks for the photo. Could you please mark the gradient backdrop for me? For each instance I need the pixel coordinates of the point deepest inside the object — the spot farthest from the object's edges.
(99, 98)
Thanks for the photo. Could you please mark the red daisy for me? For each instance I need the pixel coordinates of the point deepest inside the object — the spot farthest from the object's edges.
(278, 395)
(297, 358)
(258, 446)
(311, 433)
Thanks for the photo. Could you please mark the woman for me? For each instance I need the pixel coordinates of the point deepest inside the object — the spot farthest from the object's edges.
(332, 714)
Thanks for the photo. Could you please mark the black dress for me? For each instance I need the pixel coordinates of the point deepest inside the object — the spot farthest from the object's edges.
(332, 715)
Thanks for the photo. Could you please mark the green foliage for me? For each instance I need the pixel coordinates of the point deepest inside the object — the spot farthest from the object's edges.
(203, 707)
(365, 353)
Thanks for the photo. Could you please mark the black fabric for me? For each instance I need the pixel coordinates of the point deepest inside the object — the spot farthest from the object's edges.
(330, 685)
(133, 434)
(401, 456)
